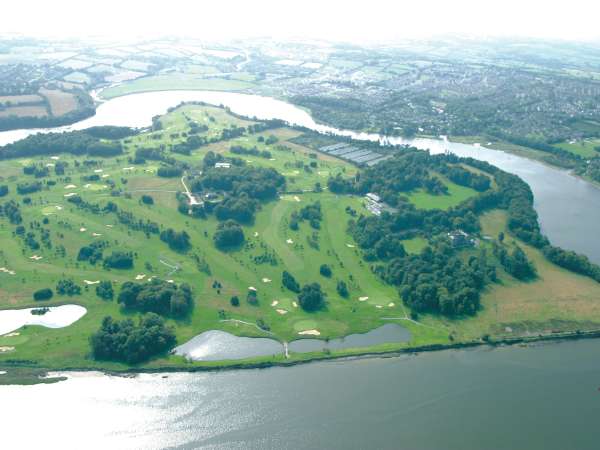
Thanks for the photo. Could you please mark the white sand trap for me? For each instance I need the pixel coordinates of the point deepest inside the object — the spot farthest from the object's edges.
(170, 281)
(83, 230)
(55, 158)
(271, 159)
(274, 303)
(8, 271)
(50, 165)
(88, 282)
(128, 168)
(310, 333)
(378, 306)
(70, 194)
(391, 304)
(14, 333)
(58, 207)
(349, 245)
(266, 280)
(296, 198)
(294, 304)
(35, 257)
(105, 175)
(256, 234)
(70, 186)
(96, 234)
(289, 241)
(281, 311)
(98, 171)
(6, 348)
(141, 276)
(363, 299)
(109, 226)
(87, 186)
(251, 288)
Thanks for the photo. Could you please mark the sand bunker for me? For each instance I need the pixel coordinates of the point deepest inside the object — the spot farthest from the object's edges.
(349, 245)
(289, 241)
(49, 165)
(281, 311)
(363, 299)
(251, 288)
(128, 168)
(87, 186)
(70, 194)
(5, 270)
(98, 171)
(310, 333)
(294, 304)
(391, 304)
(83, 229)
(35, 257)
(296, 198)
(55, 158)
(70, 186)
(105, 175)
(88, 282)
(6, 348)
(96, 234)
(170, 281)
(255, 234)
(266, 280)
(378, 306)
(109, 226)
(274, 303)
(141, 276)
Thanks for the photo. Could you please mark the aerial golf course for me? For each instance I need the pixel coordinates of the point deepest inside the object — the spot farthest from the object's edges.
(119, 208)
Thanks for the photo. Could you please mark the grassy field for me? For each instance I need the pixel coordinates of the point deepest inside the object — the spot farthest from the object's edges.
(456, 195)
(175, 82)
(557, 300)
(584, 148)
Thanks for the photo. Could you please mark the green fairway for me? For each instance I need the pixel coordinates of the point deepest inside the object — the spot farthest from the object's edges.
(456, 195)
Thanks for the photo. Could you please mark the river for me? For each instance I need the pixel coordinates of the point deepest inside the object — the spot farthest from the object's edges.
(541, 397)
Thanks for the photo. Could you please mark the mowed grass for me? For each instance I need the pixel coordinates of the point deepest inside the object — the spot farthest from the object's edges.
(584, 148)
(456, 195)
(175, 82)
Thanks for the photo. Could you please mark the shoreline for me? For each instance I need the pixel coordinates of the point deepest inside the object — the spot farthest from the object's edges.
(365, 353)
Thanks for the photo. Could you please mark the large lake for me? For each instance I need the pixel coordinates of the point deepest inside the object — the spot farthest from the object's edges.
(543, 397)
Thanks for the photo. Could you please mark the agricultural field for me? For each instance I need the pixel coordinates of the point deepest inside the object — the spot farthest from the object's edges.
(60, 102)
(62, 227)
(175, 82)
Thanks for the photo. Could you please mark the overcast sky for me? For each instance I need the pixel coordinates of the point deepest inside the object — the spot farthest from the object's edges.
(358, 21)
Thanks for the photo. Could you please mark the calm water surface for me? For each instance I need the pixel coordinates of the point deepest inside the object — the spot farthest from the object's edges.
(543, 397)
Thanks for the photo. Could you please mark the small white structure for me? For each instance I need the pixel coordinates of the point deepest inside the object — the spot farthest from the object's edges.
(373, 197)
(222, 165)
